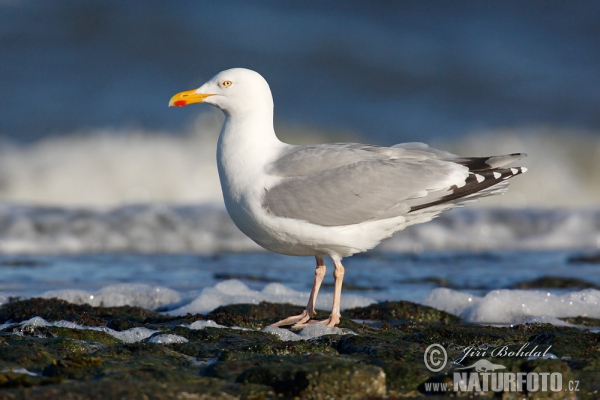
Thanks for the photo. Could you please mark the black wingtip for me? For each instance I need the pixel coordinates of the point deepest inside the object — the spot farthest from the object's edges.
(477, 181)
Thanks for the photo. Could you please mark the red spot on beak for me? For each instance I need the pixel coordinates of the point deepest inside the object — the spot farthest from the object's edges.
(180, 103)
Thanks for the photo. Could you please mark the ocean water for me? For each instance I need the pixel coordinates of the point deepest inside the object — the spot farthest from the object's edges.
(391, 71)
(109, 197)
(480, 286)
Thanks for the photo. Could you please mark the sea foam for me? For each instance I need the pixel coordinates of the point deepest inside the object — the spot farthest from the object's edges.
(207, 229)
(311, 331)
(138, 295)
(115, 168)
(516, 306)
(234, 292)
(502, 307)
(132, 335)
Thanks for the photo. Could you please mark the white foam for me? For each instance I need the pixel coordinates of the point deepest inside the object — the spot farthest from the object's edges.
(283, 334)
(494, 229)
(105, 167)
(129, 336)
(35, 322)
(146, 196)
(18, 370)
(450, 300)
(3, 299)
(236, 292)
(545, 319)
(201, 324)
(132, 335)
(147, 228)
(73, 325)
(206, 229)
(310, 332)
(5, 325)
(559, 154)
(168, 339)
(114, 167)
(139, 295)
(517, 306)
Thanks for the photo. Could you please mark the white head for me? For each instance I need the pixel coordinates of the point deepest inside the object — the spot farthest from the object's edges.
(236, 91)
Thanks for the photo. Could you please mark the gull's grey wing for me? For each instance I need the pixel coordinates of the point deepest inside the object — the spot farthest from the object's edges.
(473, 163)
(343, 184)
(363, 191)
(306, 160)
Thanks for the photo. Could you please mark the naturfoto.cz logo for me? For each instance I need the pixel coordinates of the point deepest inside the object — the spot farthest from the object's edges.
(485, 376)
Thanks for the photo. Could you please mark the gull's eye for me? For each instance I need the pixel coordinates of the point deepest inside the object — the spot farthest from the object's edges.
(226, 84)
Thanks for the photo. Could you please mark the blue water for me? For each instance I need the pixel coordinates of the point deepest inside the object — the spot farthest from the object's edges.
(391, 71)
(377, 275)
(96, 172)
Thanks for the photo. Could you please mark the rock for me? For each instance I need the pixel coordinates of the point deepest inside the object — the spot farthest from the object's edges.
(554, 282)
(316, 377)
(45, 361)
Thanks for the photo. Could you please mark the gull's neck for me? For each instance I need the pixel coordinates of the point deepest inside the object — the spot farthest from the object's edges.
(246, 144)
(248, 134)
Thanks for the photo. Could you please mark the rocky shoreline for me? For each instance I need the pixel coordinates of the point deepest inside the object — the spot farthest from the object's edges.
(379, 353)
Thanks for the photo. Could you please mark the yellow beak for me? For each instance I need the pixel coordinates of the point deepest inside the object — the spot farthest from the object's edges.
(184, 98)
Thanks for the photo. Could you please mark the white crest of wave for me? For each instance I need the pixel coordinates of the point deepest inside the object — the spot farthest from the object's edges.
(110, 168)
(310, 332)
(127, 294)
(131, 335)
(236, 292)
(563, 165)
(503, 307)
(168, 339)
(509, 306)
(107, 167)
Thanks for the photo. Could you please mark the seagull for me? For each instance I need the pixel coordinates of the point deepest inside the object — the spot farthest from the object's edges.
(334, 199)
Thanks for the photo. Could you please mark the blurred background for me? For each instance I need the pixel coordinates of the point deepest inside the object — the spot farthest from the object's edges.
(86, 135)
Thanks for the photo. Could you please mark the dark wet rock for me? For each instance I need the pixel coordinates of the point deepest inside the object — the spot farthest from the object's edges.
(591, 258)
(10, 379)
(542, 338)
(255, 316)
(83, 314)
(555, 282)
(315, 377)
(243, 277)
(74, 367)
(21, 262)
(400, 310)
(350, 286)
(251, 364)
(33, 331)
(122, 324)
(435, 280)
(583, 321)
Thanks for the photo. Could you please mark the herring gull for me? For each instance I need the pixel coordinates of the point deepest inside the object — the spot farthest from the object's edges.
(329, 199)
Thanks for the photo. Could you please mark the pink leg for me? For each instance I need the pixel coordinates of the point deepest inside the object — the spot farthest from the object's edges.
(334, 318)
(300, 320)
(338, 274)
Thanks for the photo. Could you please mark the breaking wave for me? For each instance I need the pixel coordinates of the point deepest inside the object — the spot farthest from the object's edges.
(206, 229)
(104, 168)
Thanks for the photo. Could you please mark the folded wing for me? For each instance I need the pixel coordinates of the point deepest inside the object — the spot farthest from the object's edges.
(345, 184)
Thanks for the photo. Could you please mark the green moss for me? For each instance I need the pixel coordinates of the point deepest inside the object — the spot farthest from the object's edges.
(553, 282)
(84, 314)
(583, 321)
(400, 310)
(313, 376)
(230, 363)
